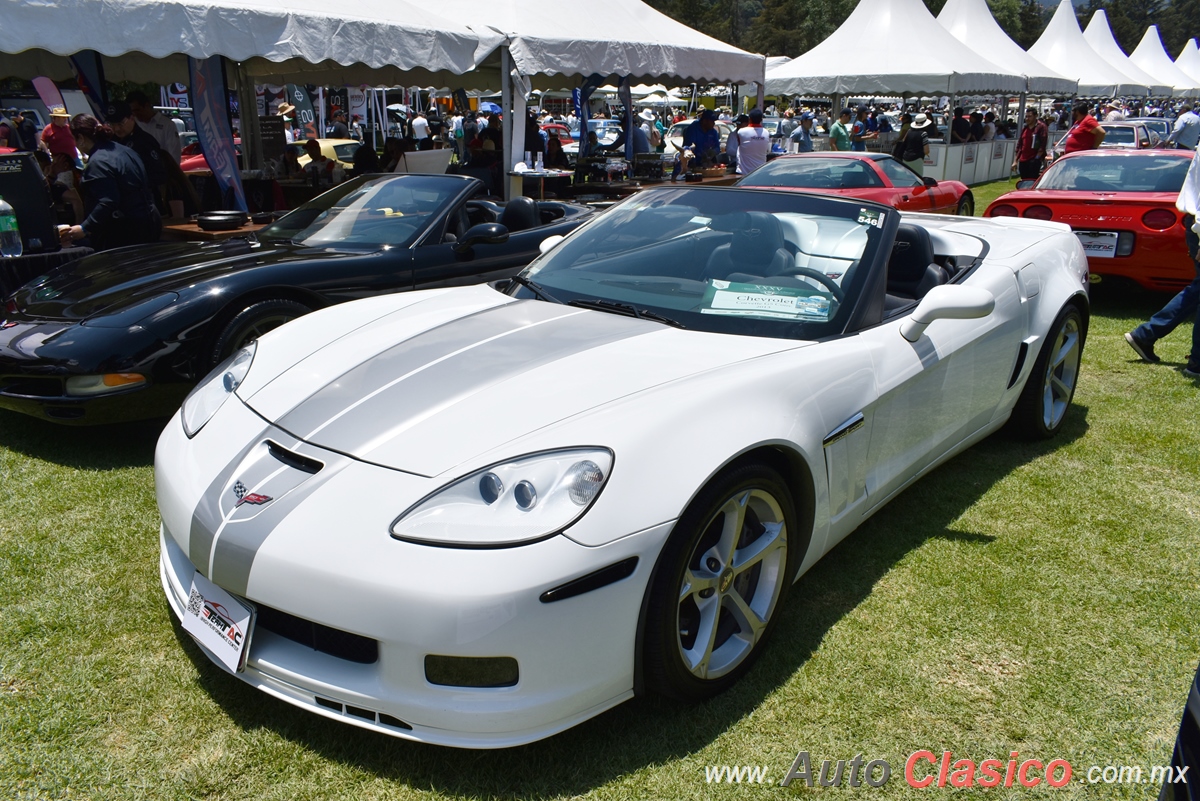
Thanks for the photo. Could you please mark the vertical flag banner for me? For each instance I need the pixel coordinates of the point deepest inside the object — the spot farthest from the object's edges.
(298, 97)
(89, 73)
(211, 110)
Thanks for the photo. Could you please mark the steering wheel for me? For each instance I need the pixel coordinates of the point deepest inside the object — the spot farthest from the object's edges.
(821, 278)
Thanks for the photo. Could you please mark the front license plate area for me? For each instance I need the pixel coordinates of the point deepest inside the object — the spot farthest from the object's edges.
(1102, 244)
(222, 623)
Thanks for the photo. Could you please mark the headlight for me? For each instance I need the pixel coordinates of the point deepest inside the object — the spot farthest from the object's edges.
(525, 499)
(203, 401)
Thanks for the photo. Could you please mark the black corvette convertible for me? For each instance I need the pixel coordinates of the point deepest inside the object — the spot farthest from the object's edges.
(123, 335)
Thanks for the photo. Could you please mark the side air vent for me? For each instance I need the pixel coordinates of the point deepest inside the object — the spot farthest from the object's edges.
(293, 459)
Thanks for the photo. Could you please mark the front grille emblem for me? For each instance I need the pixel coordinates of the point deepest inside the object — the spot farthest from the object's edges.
(244, 496)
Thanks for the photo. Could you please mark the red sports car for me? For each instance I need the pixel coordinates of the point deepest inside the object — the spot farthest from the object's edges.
(870, 176)
(1121, 204)
(561, 131)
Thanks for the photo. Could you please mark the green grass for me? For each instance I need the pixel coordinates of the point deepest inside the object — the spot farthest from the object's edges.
(1038, 598)
(986, 193)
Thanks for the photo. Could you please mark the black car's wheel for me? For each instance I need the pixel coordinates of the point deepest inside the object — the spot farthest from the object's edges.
(966, 206)
(1048, 391)
(720, 583)
(252, 322)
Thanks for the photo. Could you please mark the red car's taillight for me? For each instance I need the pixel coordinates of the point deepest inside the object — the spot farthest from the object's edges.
(1159, 219)
(1038, 213)
(1003, 210)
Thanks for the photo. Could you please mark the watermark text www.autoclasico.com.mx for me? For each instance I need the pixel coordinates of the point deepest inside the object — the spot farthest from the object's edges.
(924, 769)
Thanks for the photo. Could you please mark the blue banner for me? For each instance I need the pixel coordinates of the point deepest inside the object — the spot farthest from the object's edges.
(89, 73)
(211, 109)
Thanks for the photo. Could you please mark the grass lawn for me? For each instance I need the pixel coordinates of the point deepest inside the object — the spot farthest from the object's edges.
(1033, 598)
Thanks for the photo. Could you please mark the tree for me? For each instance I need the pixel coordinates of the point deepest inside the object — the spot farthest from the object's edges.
(1033, 23)
(1008, 15)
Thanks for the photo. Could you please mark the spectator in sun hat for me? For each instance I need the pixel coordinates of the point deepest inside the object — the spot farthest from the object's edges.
(288, 112)
(57, 138)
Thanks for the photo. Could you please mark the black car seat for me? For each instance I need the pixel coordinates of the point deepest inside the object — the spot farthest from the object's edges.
(520, 214)
(757, 248)
(912, 271)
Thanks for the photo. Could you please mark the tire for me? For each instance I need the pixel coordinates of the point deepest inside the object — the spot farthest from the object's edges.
(252, 322)
(1046, 397)
(717, 592)
(966, 206)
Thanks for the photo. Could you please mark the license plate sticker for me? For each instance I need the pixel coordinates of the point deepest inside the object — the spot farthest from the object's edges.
(219, 621)
(1102, 244)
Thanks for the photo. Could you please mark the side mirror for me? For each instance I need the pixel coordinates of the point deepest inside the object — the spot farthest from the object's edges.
(930, 182)
(1026, 184)
(947, 302)
(482, 234)
(549, 243)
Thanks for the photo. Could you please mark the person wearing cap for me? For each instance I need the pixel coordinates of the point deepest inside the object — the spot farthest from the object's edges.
(155, 123)
(339, 130)
(288, 112)
(860, 132)
(802, 135)
(839, 134)
(754, 144)
(19, 132)
(120, 207)
(703, 138)
(1031, 147)
(916, 144)
(57, 138)
(127, 132)
(1186, 132)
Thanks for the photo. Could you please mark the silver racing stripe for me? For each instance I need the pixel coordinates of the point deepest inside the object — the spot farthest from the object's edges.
(421, 376)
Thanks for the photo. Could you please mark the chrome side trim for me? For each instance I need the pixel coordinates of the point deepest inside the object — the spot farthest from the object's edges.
(846, 428)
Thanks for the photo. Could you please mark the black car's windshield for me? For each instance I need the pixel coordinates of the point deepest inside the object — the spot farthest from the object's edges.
(1130, 172)
(814, 173)
(722, 260)
(367, 212)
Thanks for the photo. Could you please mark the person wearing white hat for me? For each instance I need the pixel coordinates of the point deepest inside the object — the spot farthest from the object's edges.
(288, 112)
(916, 144)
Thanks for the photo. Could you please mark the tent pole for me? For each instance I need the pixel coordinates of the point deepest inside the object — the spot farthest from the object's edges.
(759, 95)
(252, 153)
(506, 104)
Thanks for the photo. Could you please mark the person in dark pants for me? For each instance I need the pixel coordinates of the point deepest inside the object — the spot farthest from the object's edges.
(1031, 147)
(1186, 304)
(116, 194)
(119, 116)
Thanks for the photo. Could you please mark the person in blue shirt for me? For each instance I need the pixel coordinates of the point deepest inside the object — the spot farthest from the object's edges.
(703, 138)
(641, 143)
(860, 132)
(802, 135)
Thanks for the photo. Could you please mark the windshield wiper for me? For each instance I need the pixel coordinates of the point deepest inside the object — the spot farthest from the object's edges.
(626, 309)
(534, 288)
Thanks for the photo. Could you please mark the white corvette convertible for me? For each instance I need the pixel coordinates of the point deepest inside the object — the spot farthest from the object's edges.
(477, 516)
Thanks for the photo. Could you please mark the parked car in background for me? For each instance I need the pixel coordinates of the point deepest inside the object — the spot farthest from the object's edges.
(341, 150)
(124, 334)
(1121, 205)
(871, 176)
(1158, 126)
(561, 131)
(673, 141)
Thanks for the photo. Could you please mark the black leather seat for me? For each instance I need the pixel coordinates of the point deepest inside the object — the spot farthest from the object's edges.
(520, 214)
(757, 248)
(911, 268)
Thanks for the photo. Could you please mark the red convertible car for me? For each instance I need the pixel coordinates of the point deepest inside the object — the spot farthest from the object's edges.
(1121, 204)
(870, 176)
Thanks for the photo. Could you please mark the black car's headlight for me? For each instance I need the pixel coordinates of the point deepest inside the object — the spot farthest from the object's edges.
(524, 499)
(203, 401)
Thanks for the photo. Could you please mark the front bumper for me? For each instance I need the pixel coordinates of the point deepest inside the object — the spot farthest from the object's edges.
(331, 561)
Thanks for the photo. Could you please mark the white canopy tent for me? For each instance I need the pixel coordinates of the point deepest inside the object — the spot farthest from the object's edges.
(971, 22)
(1151, 57)
(874, 49)
(1099, 36)
(1063, 49)
(557, 46)
(373, 41)
(1189, 60)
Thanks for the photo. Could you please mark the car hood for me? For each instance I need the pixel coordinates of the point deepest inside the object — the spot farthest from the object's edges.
(108, 282)
(464, 372)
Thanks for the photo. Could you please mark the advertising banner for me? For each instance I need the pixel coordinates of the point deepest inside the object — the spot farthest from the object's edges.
(213, 128)
(305, 116)
(89, 72)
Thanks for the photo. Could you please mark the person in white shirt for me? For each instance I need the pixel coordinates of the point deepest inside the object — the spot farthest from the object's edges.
(419, 126)
(288, 112)
(1185, 305)
(155, 123)
(1186, 132)
(1114, 112)
(754, 143)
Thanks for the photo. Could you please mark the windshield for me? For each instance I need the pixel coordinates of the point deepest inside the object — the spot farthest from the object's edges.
(367, 212)
(346, 152)
(732, 261)
(814, 173)
(1134, 172)
(1120, 135)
